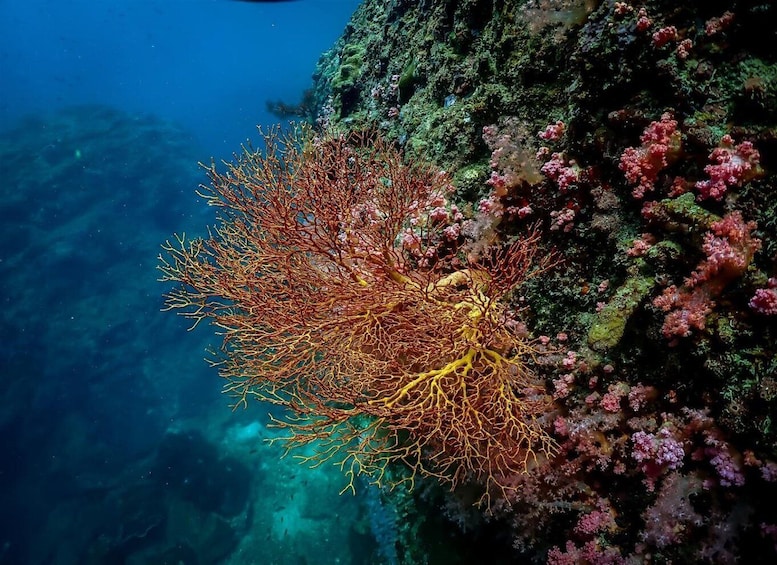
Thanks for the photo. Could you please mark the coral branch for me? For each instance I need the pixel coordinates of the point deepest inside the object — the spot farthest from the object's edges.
(323, 310)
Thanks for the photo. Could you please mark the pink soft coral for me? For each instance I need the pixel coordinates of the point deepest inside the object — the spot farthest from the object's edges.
(731, 166)
(729, 247)
(661, 143)
(765, 299)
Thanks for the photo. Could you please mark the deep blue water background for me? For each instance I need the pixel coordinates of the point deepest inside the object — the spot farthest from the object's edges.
(208, 64)
(115, 443)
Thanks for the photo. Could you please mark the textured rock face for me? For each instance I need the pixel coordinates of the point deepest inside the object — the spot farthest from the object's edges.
(639, 137)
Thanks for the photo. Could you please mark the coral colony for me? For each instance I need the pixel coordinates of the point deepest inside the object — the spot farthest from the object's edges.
(571, 329)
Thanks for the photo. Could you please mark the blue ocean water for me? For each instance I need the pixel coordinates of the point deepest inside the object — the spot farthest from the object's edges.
(208, 64)
(117, 446)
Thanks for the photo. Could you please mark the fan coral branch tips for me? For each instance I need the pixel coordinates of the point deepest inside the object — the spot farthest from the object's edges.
(382, 350)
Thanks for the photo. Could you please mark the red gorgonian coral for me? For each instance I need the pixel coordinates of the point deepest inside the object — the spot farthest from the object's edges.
(382, 353)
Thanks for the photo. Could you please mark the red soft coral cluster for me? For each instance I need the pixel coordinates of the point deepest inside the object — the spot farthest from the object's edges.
(729, 247)
(732, 165)
(661, 145)
(764, 300)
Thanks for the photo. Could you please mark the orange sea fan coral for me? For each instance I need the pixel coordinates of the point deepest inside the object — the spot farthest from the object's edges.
(379, 356)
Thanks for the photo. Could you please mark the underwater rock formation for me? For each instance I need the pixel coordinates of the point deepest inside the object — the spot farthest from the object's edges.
(640, 138)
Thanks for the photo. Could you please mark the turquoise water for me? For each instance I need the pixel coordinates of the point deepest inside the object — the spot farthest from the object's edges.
(117, 446)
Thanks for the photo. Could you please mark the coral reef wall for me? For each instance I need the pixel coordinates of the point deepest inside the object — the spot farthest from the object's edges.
(641, 138)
